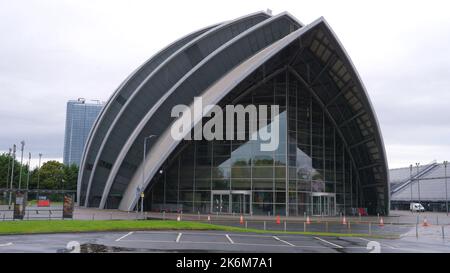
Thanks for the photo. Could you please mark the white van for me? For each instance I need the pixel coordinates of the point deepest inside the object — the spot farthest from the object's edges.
(416, 207)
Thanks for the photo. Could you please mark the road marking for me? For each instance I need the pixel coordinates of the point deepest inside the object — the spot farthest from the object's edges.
(330, 243)
(178, 237)
(8, 244)
(286, 242)
(126, 235)
(229, 239)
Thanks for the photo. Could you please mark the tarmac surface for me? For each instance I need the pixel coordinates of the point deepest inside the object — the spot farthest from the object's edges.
(213, 241)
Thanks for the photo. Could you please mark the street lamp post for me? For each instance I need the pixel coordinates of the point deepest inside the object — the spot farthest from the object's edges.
(446, 192)
(143, 173)
(28, 174)
(39, 170)
(411, 181)
(418, 181)
(12, 173)
(22, 144)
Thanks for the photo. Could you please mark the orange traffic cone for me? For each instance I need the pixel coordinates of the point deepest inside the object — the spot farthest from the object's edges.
(278, 220)
(381, 224)
(344, 221)
(241, 220)
(425, 222)
(308, 221)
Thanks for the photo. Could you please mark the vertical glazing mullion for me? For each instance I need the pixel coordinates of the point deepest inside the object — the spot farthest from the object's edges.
(323, 148)
(343, 174)
(212, 178)
(165, 192)
(296, 145)
(351, 186)
(334, 163)
(286, 93)
(252, 160)
(193, 182)
(178, 182)
(310, 112)
(273, 162)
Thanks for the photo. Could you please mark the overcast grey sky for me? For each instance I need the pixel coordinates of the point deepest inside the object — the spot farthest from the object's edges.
(53, 51)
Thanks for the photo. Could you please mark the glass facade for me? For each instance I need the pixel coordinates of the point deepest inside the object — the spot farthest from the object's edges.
(310, 173)
(80, 116)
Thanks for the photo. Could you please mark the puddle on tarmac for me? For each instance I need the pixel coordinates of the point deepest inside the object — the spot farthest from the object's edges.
(97, 248)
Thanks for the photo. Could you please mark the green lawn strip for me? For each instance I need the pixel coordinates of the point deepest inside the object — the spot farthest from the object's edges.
(60, 226)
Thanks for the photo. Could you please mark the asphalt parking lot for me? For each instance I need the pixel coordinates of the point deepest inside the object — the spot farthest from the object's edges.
(211, 241)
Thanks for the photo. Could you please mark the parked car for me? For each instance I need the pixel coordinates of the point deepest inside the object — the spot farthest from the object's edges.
(416, 207)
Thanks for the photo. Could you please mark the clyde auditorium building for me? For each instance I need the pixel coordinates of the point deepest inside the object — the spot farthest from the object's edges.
(330, 158)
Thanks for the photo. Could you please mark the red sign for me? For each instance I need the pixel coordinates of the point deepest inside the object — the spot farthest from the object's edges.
(43, 203)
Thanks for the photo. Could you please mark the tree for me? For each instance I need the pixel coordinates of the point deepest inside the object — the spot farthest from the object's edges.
(5, 177)
(53, 175)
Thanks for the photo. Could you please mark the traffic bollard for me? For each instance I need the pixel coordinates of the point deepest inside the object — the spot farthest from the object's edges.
(417, 231)
(264, 225)
(370, 228)
(284, 226)
(245, 224)
(304, 226)
(443, 234)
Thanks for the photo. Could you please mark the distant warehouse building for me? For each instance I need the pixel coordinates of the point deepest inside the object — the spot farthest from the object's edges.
(330, 158)
(424, 184)
(80, 116)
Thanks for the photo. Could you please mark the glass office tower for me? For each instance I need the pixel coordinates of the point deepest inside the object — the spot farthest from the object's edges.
(80, 116)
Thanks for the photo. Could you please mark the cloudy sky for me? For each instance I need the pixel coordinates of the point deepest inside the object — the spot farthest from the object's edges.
(53, 51)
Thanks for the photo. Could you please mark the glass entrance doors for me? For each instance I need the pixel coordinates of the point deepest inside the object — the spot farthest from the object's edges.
(241, 203)
(231, 202)
(324, 204)
(220, 202)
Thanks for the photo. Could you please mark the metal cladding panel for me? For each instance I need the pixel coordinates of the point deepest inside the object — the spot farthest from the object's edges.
(155, 86)
(231, 55)
(115, 103)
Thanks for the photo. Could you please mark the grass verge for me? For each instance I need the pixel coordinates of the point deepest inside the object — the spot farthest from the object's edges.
(69, 226)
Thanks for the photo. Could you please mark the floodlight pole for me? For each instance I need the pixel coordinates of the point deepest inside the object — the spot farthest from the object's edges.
(39, 171)
(411, 181)
(446, 187)
(12, 173)
(9, 162)
(22, 144)
(418, 181)
(28, 174)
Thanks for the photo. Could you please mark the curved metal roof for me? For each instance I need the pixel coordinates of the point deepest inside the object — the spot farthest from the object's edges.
(312, 53)
(153, 87)
(116, 101)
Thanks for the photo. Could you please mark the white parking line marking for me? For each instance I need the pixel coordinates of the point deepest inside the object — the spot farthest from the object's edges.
(8, 244)
(330, 243)
(126, 235)
(278, 239)
(229, 239)
(178, 237)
